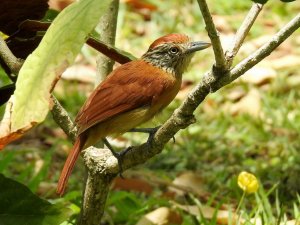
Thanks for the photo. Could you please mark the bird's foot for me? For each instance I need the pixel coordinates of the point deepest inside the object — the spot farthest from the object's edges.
(118, 155)
(150, 131)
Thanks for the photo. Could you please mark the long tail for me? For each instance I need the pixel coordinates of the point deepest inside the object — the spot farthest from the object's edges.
(69, 165)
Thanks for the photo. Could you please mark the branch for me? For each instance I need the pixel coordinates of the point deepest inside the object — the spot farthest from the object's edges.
(110, 51)
(107, 29)
(8, 57)
(266, 49)
(243, 32)
(103, 161)
(62, 118)
(221, 64)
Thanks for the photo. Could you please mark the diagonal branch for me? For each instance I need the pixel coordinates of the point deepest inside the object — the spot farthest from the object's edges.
(266, 49)
(242, 32)
(221, 64)
(62, 118)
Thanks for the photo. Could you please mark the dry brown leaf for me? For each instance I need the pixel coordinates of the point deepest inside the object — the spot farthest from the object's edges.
(284, 62)
(185, 88)
(188, 180)
(59, 5)
(223, 216)
(222, 24)
(253, 45)
(250, 104)
(81, 73)
(236, 94)
(209, 106)
(293, 81)
(138, 4)
(227, 40)
(132, 184)
(259, 75)
(160, 216)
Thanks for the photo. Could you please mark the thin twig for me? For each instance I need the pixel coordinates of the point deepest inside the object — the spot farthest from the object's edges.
(62, 118)
(266, 49)
(111, 52)
(8, 57)
(214, 36)
(242, 32)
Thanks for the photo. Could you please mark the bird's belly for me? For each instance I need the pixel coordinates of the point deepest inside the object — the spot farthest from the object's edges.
(118, 124)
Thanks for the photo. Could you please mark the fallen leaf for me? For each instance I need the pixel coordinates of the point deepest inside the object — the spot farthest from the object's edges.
(222, 24)
(252, 45)
(132, 184)
(160, 216)
(259, 75)
(59, 4)
(222, 216)
(236, 94)
(185, 88)
(188, 180)
(226, 40)
(285, 62)
(81, 73)
(293, 81)
(250, 104)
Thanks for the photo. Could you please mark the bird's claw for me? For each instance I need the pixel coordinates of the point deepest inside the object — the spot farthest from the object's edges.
(119, 156)
(152, 132)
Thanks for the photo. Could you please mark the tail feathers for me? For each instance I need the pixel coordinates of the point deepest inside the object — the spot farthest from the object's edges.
(69, 165)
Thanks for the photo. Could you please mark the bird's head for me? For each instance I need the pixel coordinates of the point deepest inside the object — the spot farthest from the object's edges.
(173, 52)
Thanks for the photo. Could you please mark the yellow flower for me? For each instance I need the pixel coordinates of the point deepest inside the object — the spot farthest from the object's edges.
(247, 182)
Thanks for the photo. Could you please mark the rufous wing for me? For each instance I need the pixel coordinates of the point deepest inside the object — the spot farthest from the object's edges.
(130, 86)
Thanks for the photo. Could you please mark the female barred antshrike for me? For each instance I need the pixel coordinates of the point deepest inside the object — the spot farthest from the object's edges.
(131, 95)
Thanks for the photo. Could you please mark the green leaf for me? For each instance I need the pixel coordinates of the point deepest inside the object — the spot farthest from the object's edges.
(56, 52)
(18, 205)
(126, 205)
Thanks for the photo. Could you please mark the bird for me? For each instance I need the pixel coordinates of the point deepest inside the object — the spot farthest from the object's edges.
(131, 95)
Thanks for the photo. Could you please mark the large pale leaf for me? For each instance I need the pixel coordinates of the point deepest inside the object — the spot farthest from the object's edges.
(18, 205)
(43, 67)
(57, 50)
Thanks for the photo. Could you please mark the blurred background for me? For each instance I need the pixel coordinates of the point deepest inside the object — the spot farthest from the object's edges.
(250, 125)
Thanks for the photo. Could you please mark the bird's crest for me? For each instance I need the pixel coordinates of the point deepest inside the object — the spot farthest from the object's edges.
(174, 38)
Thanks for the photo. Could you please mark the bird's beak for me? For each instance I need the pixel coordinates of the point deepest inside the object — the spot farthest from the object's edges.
(197, 46)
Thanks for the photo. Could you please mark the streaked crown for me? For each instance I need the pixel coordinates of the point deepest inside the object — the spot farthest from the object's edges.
(170, 38)
(173, 53)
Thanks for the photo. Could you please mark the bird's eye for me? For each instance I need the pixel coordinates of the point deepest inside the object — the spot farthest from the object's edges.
(174, 50)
